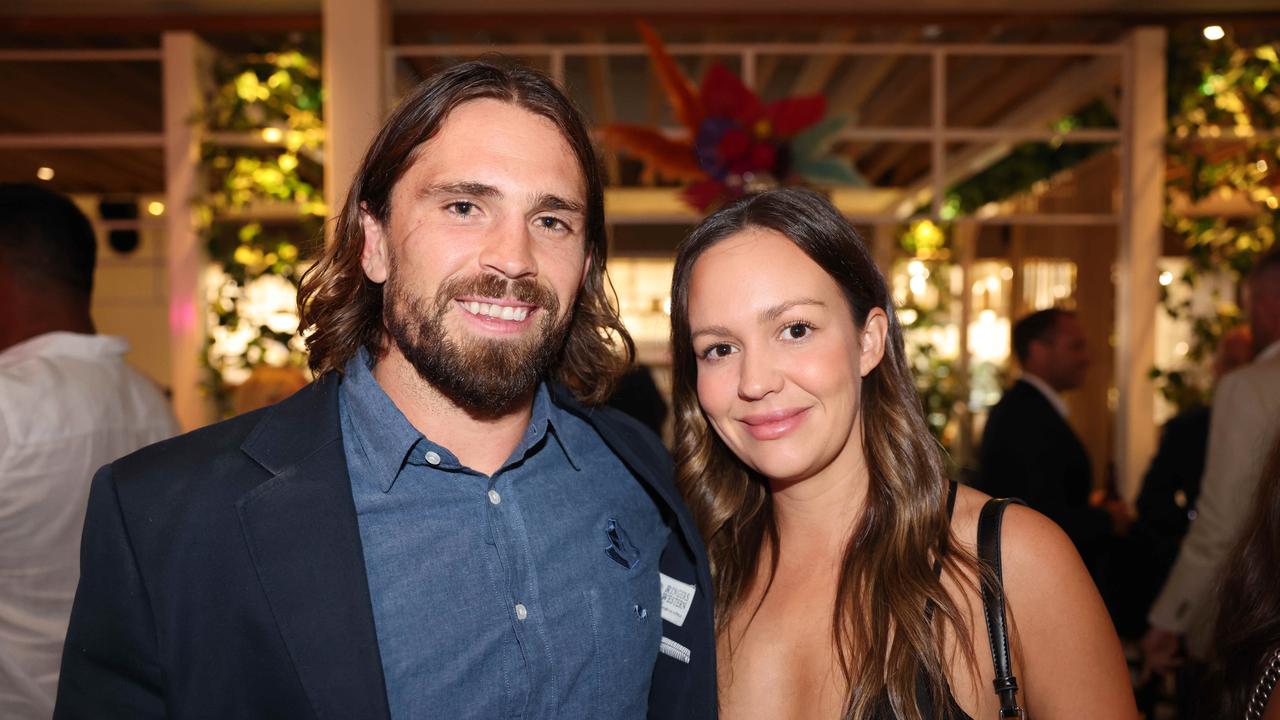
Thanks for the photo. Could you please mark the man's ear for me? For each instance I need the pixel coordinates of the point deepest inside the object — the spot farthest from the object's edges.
(875, 332)
(373, 256)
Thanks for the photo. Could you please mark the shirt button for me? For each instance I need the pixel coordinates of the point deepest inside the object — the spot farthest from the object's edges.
(494, 499)
(433, 457)
(521, 611)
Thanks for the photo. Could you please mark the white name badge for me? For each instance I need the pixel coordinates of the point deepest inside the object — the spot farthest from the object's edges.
(677, 598)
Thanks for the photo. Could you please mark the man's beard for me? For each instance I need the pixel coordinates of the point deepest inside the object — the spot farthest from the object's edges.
(484, 376)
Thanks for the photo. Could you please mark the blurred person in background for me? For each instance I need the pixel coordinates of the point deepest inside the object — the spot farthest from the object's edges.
(1166, 502)
(1245, 419)
(1029, 450)
(68, 405)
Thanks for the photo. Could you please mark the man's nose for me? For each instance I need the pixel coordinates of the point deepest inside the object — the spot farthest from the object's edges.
(509, 251)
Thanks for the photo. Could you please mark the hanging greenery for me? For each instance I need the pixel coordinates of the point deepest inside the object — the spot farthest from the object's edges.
(923, 296)
(1028, 164)
(1224, 103)
(264, 207)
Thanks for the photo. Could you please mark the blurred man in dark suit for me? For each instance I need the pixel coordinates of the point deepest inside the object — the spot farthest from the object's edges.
(1029, 450)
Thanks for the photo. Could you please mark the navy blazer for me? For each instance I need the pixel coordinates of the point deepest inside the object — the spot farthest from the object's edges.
(222, 576)
(1029, 451)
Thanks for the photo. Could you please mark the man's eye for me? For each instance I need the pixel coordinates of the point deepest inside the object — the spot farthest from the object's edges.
(461, 207)
(548, 222)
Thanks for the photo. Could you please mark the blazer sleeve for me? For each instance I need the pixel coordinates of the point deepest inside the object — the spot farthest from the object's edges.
(1226, 494)
(110, 667)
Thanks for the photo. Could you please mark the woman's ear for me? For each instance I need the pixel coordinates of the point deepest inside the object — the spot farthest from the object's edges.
(373, 256)
(875, 332)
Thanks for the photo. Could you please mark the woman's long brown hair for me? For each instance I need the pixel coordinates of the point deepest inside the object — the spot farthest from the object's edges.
(342, 309)
(1248, 624)
(881, 632)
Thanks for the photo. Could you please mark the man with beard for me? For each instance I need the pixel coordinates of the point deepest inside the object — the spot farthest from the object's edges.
(442, 524)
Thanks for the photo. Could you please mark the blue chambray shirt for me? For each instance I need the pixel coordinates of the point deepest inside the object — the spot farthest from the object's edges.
(533, 593)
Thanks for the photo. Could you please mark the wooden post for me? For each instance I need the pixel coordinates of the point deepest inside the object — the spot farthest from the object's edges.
(966, 247)
(184, 62)
(1142, 187)
(883, 246)
(355, 35)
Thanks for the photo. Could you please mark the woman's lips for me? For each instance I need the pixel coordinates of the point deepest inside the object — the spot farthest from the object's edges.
(774, 424)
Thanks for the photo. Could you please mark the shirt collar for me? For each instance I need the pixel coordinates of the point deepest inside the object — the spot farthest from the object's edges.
(388, 441)
(65, 344)
(384, 436)
(1050, 394)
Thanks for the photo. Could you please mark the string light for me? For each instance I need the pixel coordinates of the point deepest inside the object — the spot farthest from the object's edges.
(1214, 32)
(155, 207)
(45, 173)
(1166, 278)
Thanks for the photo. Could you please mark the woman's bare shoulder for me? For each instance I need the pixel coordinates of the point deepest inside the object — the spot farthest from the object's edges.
(1069, 653)
(1030, 542)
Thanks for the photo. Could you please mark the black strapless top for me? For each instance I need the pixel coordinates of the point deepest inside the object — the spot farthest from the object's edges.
(924, 700)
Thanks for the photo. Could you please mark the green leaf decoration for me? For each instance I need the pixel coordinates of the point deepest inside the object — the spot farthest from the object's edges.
(817, 140)
(830, 171)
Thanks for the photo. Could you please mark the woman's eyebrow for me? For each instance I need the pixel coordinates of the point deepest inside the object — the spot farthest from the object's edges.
(773, 313)
(718, 330)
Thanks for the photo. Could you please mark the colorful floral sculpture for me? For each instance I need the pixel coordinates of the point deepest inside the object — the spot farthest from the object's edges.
(736, 142)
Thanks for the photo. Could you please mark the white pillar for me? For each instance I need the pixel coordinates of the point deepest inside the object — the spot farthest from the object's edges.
(355, 41)
(184, 61)
(1142, 206)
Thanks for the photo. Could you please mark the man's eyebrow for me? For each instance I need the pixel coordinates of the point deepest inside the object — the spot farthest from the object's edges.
(548, 201)
(773, 313)
(476, 189)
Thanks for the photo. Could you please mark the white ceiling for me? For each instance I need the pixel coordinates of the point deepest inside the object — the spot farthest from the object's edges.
(596, 7)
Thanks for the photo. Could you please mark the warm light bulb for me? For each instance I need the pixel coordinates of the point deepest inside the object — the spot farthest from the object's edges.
(44, 173)
(1214, 32)
(155, 207)
(1166, 278)
(272, 134)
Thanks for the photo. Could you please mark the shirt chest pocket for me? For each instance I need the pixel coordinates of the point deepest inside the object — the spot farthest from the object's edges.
(626, 622)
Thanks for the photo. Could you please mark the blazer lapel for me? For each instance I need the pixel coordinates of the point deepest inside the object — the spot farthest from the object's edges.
(302, 534)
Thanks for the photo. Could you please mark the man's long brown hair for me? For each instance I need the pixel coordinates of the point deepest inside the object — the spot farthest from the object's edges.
(342, 309)
(881, 631)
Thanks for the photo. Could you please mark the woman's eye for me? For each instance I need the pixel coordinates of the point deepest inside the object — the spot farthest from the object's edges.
(797, 331)
(717, 351)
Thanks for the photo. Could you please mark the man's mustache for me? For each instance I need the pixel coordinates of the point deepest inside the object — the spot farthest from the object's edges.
(524, 290)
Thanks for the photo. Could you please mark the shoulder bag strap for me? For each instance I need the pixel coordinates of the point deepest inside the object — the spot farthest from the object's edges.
(1006, 684)
(1266, 685)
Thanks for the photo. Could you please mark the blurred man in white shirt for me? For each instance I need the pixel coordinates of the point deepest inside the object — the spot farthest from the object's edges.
(68, 404)
(1244, 425)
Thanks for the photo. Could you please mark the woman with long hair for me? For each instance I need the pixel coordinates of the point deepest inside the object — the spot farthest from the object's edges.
(846, 580)
(1245, 663)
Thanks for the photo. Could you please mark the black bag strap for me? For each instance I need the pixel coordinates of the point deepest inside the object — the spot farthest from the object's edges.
(1006, 684)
